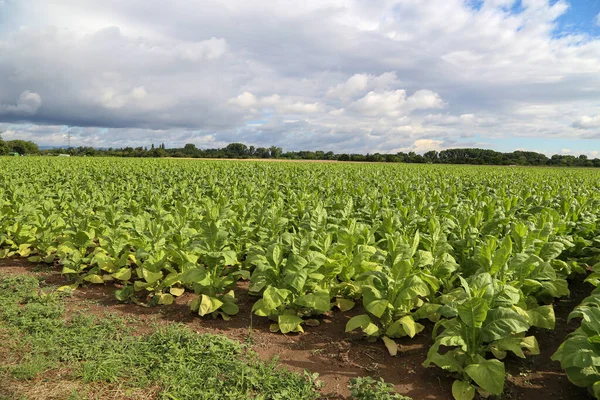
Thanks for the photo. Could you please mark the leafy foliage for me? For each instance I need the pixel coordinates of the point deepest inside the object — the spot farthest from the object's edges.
(482, 253)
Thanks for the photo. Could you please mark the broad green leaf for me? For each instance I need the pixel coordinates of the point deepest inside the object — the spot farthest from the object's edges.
(551, 250)
(230, 308)
(448, 362)
(502, 322)
(290, 323)
(68, 287)
(473, 312)
(124, 274)
(462, 390)
(364, 322)
(195, 304)
(276, 254)
(488, 374)
(195, 275)
(392, 346)
(358, 321)
(318, 301)
(273, 298)
(409, 325)
(125, 294)
(165, 298)
(542, 317)
(150, 276)
(501, 255)
(176, 291)
(94, 278)
(344, 304)
(377, 307)
(208, 305)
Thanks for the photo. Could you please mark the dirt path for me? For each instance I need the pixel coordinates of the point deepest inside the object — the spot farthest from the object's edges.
(337, 356)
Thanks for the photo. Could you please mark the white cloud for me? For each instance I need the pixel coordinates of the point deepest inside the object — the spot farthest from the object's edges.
(299, 107)
(244, 100)
(361, 83)
(27, 105)
(597, 19)
(252, 103)
(352, 75)
(113, 99)
(396, 103)
(586, 122)
(210, 49)
(422, 146)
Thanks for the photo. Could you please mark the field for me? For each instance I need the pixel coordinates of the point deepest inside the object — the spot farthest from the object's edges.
(447, 281)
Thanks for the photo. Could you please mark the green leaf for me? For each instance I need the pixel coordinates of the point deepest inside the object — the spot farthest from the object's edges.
(531, 344)
(473, 312)
(208, 305)
(165, 298)
(195, 304)
(596, 389)
(318, 301)
(176, 291)
(513, 344)
(94, 278)
(151, 277)
(230, 308)
(551, 250)
(359, 321)
(448, 362)
(377, 307)
(344, 304)
(273, 298)
(462, 390)
(196, 275)
(290, 323)
(502, 322)
(68, 287)
(409, 325)
(124, 274)
(542, 317)
(391, 345)
(364, 322)
(501, 255)
(276, 254)
(488, 374)
(125, 294)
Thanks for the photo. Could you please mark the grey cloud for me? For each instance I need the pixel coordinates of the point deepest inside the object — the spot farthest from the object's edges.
(27, 105)
(339, 75)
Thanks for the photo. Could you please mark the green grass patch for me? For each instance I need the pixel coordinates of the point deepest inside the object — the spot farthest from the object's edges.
(184, 364)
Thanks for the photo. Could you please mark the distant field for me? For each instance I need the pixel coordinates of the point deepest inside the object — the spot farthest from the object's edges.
(466, 270)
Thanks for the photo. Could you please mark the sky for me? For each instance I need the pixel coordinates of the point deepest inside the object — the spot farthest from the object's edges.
(342, 75)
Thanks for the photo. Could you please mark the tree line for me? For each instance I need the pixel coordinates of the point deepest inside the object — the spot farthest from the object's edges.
(242, 151)
(22, 147)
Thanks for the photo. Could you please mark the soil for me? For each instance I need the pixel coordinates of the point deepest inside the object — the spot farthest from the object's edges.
(333, 354)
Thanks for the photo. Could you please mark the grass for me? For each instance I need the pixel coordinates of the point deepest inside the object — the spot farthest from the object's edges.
(48, 354)
(91, 357)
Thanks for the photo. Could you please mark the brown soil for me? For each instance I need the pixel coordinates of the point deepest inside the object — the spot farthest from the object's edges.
(333, 354)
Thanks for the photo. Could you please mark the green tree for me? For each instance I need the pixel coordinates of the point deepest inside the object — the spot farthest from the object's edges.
(23, 147)
(275, 151)
(236, 150)
(3, 147)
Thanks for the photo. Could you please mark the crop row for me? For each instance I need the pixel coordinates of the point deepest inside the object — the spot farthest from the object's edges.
(481, 252)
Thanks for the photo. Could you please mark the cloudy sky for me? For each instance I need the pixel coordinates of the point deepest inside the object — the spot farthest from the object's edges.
(342, 75)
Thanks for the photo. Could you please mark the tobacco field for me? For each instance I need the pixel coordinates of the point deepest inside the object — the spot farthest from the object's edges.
(481, 253)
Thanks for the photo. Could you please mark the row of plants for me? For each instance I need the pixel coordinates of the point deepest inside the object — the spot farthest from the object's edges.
(579, 354)
(480, 252)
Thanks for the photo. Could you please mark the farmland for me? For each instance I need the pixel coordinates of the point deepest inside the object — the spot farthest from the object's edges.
(476, 258)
